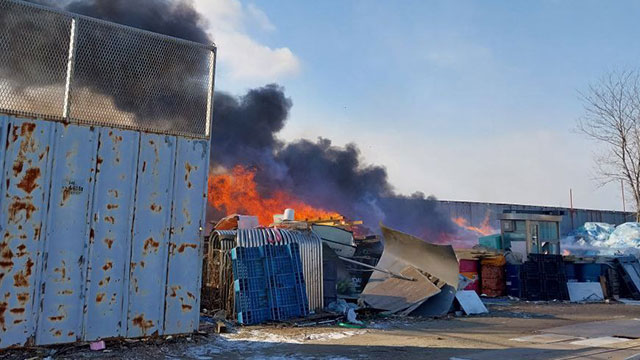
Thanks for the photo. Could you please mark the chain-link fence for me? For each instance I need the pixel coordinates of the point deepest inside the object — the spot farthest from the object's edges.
(65, 67)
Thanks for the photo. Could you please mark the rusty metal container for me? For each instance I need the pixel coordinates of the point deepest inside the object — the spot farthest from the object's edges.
(103, 195)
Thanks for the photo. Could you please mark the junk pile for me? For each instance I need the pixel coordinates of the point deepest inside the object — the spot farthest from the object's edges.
(297, 269)
(247, 270)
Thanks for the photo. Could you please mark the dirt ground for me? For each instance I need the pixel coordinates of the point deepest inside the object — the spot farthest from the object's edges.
(466, 337)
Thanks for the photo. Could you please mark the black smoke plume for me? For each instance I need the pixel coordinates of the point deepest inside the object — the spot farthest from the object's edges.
(319, 173)
(144, 80)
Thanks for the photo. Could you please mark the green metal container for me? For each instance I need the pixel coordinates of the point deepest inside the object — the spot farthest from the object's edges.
(491, 241)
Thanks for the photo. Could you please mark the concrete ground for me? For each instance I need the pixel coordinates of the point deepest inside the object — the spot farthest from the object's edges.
(470, 337)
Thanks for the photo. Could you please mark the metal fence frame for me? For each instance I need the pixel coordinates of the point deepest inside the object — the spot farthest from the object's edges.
(66, 113)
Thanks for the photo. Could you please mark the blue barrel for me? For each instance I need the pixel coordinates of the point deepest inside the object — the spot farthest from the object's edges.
(513, 279)
(590, 272)
(571, 271)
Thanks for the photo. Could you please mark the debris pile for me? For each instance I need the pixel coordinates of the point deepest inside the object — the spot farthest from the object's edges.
(604, 239)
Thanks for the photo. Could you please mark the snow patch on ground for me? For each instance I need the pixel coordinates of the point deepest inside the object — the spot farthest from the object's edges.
(256, 340)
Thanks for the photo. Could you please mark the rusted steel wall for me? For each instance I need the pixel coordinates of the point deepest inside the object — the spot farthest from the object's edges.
(101, 232)
(476, 213)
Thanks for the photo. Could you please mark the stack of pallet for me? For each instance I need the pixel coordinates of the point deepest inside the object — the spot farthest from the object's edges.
(543, 277)
(268, 283)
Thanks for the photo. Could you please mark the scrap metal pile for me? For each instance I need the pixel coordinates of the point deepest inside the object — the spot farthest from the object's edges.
(323, 267)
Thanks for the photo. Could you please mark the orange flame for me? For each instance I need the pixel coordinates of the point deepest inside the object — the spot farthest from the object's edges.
(484, 229)
(237, 193)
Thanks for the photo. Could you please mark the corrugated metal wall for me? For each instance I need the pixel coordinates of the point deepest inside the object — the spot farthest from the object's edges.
(101, 232)
(475, 213)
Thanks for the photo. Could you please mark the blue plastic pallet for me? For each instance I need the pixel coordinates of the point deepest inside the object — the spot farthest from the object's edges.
(269, 283)
(286, 283)
(251, 296)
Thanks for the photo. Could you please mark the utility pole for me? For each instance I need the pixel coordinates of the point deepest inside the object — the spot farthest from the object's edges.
(571, 207)
(624, 207)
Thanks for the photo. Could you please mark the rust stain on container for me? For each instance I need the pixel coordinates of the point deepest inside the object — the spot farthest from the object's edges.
(28, 182)
(188, 168)
(187, 216)
(18, 206)
(107, 266)
(113, 193)
(23, 298)
(143, 324)
(109, 242)
(21, 249)
(56, 318)
(110, 219)
(186, 307)
(7, 255)
(100, 297)
(185, 245)
(42, 154)
(27, 129)
(104, 281)
(21, 279)
(17, 311)
(115, 138)
(62, 271)
(17, 168)
(92, 235)
(150, 243)
(66, 192)
(3, 308)
(155, 208)
(112, 206)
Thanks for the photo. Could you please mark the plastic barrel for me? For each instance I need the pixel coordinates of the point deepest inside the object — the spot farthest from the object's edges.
(469, 269)
(571, 271)
(590, 272)
(513, 280)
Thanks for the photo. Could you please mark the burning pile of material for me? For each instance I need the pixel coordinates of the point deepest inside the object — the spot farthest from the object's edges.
(254, 172)
(603, 239)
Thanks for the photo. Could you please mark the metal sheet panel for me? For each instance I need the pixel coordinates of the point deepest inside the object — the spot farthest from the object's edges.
(67, 234)
(151, 235)
(182, 309)
(110, 234)
(25, 156)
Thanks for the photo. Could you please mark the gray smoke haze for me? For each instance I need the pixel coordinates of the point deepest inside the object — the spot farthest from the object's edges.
(181, 80)
(319, 173)
(245, 128)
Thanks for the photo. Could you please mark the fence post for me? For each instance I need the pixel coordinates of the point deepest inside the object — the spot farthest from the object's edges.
(71, 61)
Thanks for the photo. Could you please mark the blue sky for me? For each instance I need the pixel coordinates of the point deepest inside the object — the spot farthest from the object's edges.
(466, 100)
